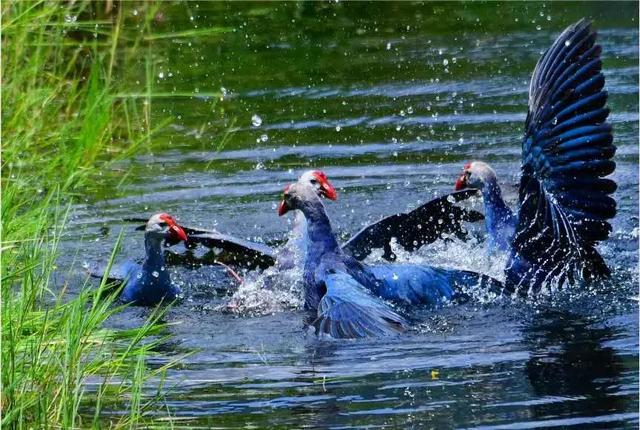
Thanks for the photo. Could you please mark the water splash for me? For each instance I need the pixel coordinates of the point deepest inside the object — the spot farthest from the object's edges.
(268, 292)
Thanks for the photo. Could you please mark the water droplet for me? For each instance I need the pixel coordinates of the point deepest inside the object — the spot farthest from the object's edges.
(161, 75)
(155, 274)
(445, 62)
(388, 46)
(410, 110)
(264, 138)
(395, 277)
(256, 121)
(338, 128)
(135, 12)
(70, 18)
(538, 27)
(567, 42)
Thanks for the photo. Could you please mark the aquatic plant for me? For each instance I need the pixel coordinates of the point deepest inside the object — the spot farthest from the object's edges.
(60, 118)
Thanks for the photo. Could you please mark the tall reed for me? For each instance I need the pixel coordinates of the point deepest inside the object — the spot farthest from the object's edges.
(59, 119)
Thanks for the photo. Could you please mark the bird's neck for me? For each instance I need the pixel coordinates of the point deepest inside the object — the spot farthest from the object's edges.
(154, 258)
(491, 192)
(496, 211)
(319, 231)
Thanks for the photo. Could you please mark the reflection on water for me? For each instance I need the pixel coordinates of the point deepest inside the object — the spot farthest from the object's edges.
(390, 99)
(570, 363)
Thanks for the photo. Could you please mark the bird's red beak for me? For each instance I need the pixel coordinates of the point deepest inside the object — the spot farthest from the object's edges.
(176, 233)
(326, 189)
(283, 208)
(461, 183)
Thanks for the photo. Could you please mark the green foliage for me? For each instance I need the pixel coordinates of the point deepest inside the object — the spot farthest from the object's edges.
(60, 118)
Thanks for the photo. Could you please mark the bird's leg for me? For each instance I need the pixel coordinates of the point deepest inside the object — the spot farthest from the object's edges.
(231, 272)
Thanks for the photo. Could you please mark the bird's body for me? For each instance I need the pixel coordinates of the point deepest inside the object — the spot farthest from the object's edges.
(328, 271)
(150, 283)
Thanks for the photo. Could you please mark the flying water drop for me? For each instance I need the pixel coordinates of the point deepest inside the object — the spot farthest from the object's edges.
(256, 121)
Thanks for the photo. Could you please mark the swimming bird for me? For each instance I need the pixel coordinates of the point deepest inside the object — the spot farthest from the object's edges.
(564, 197)
(148, 283)
(346, 293)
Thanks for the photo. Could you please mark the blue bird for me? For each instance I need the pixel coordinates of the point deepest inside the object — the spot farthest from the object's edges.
(148, 283)
(564, 197)
(346, 293)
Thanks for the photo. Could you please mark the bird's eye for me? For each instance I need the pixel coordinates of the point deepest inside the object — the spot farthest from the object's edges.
(467, 174)
(314, 181)
(162, 224)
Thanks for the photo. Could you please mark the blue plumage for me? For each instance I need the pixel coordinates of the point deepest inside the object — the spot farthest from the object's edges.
(566, 153)
(567, 149)
(347, 294)
(148, 283)
(409, 284)
(348, 310)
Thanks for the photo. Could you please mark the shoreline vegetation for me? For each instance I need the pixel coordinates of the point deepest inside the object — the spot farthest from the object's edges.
(62, 122)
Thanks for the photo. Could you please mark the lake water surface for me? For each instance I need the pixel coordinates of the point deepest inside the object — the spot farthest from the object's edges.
(390, 100)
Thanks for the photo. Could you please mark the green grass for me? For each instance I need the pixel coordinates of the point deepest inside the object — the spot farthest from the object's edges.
(61, 123)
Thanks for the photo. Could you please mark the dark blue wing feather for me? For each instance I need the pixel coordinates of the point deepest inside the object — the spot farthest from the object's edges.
(120, 272)
(240, 251)
(413, 285)
(566, 152)
(347, 310)
(423, 225)
(235, 251)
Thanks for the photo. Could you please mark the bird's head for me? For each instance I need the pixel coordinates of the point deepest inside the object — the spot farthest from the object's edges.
(318, 180)
(165, 226)
(475, 174)
(294, 196)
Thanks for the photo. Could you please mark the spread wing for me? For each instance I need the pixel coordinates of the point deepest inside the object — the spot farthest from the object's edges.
(565, 201)
(414, 229)
(348, 310)
(410, 284)
(234, 251)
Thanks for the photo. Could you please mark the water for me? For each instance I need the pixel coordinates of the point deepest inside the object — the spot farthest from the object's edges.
(389, 100)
